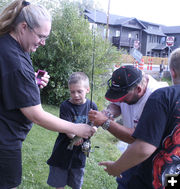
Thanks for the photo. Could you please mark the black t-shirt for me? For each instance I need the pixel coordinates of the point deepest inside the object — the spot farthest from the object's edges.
(18, 89)
(61, 156)
(159, 125)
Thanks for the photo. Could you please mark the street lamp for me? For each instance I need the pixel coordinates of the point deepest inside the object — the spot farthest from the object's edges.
(129, 37)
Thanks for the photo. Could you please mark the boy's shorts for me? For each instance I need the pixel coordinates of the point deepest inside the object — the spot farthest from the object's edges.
(10, 168)
(61, 177)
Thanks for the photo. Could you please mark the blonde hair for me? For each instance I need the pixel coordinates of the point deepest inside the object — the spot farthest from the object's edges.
(77, 77)
(19, 11)
(174, 61)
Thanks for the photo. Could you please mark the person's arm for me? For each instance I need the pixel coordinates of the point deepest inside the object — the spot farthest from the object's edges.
(114, 109)
(119, 131)
(71, 136)
(136, 153)
(37, 115)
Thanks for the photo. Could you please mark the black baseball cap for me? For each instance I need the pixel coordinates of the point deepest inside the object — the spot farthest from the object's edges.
(122, 80)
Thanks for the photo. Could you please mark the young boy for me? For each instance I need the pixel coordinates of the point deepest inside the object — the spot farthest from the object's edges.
(67, 166)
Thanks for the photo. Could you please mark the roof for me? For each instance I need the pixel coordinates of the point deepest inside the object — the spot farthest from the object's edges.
(171, 29)
(155, 32)
(101, 17)
(115, 20)
(159, 47)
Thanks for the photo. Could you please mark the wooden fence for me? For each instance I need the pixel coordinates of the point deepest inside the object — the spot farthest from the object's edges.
(155, 60)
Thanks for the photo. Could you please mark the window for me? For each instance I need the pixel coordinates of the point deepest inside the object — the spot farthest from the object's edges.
(91, 25)
(117, 33)
(129, 36)
(150, 38)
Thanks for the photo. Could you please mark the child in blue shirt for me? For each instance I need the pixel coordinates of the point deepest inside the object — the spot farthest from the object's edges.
(67, 166)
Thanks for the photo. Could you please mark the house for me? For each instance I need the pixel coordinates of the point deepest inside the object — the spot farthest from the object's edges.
(128, 33)
(175, 32)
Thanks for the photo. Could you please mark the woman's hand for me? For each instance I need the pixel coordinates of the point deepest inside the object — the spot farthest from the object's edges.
(44, 80)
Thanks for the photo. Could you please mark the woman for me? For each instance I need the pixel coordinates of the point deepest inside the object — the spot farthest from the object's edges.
(23, 28)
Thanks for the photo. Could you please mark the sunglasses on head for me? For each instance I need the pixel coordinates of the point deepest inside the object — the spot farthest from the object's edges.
(118, 87)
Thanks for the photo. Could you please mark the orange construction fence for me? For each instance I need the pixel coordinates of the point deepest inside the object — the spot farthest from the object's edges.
(141, 64)
(149, 66)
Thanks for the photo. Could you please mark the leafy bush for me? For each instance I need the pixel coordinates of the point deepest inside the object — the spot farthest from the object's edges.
(70, 48)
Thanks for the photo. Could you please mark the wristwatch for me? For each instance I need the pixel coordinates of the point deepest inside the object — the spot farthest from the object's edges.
(106, 124)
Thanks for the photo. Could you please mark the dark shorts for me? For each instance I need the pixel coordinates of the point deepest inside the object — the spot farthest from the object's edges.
(61, 177)
(126, 176)
(10, 168)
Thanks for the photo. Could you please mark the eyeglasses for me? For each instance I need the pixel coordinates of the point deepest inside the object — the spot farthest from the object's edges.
(117, 87)
(40, 36)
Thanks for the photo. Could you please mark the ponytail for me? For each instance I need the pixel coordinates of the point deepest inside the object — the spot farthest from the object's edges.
(8, 16)
(19, 11)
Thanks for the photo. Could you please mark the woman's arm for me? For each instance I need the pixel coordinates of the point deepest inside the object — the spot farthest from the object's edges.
(37, 115)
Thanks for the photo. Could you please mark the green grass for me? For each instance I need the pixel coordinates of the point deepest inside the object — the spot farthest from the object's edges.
(168, 80)
(38, 147)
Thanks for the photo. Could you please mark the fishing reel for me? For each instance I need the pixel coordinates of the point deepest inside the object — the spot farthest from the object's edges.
(86, 147)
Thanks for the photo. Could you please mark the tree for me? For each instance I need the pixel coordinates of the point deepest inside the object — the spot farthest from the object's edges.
(69, 49)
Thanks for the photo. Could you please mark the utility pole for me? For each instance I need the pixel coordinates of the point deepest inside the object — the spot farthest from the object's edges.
(107, 25)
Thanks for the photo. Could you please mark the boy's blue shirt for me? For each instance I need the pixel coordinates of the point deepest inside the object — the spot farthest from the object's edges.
(61, 156)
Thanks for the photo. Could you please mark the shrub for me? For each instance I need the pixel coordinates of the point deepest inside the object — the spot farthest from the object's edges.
(70, 48)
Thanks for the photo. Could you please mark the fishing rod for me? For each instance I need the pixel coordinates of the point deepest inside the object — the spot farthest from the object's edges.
(86, 147)
(92, 72)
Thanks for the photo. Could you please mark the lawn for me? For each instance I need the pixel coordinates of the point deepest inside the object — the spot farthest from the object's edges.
(37, 149)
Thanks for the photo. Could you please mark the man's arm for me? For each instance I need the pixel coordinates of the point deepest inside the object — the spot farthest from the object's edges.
(119, 131)
(114, 109)
(136, 153)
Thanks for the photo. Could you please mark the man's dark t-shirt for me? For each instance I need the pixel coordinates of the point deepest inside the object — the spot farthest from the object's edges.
(159, 125)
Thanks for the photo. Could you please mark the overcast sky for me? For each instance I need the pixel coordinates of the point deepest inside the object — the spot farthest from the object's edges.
(156, 11)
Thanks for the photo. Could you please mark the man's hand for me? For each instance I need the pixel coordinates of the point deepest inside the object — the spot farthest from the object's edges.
(111, 168)
(96, 117)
